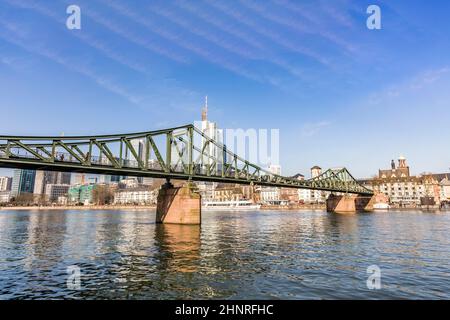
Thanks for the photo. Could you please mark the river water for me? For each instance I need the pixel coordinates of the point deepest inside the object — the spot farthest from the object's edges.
(246, 255)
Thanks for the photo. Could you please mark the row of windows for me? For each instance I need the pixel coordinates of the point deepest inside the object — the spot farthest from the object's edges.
(400, 188)
(414, 194)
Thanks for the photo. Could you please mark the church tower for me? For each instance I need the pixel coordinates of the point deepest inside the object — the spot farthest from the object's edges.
(402, 162)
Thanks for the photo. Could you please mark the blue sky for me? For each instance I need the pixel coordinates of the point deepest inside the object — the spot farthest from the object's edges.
(341, 95)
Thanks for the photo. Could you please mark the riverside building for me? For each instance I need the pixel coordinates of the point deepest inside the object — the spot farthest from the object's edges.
(312, 196)
(445, 189)
(5, 196)
(5, 183)
(405, 190)
(53, 192)
(45, 178)
(23, 182)
(137, 196)
(81, 194)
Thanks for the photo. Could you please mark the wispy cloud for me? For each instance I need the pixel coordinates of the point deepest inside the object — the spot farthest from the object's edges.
(268, 33)
(13, 36)
(264, 51)
(282, 20)
(429, 77)
(167, 92)
(175, 19)
(295, 25)
(220, 24)
(334, 11)
(209, 56)
(13, 62)
(311, 129)
(421, 81)
(134, 38)
(84, 36)
(320, 11)
(301, 10)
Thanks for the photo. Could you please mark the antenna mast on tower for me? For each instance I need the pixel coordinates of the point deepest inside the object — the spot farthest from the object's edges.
(205, 110)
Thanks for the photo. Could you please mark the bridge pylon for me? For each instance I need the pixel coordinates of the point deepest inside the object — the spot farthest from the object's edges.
(179, 205)
(349, 203)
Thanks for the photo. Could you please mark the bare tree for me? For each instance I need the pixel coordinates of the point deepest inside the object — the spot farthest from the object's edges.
(102, 195)
(23, 199)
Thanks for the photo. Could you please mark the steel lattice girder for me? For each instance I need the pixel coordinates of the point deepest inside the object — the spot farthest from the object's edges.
(167, 153)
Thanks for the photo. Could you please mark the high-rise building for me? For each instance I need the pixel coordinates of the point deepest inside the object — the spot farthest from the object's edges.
(23, 182)
(211, 130)
(117, 178)
(109, 179)
(139, 147)
(39, 182)
(104, 179)
(63, 178)
(44, 178)
(78, 179)
(5, 183)
(212, 152)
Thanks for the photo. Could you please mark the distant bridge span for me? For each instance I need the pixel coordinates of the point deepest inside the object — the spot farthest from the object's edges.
(167, 153)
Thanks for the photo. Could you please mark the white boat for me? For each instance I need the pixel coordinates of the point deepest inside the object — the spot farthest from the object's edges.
(381, 206)
(237, 205)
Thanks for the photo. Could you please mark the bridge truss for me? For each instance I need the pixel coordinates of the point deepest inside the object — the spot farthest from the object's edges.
(183, 153)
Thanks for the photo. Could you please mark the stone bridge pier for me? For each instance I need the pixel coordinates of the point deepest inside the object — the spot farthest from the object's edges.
(349, 203)
(179, 205)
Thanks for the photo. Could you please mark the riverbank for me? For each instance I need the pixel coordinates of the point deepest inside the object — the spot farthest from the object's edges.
(153, 207)
(97, 207)
(294, 207)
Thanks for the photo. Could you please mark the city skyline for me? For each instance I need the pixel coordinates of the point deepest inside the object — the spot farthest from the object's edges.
(314, 72)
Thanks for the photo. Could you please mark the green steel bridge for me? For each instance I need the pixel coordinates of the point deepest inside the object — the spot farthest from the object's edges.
(172, 153)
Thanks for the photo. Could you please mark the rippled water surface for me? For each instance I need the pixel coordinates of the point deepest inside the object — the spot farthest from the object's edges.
(250, 255)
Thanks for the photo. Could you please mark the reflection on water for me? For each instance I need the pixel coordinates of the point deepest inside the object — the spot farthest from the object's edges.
(178, 247)
(253, 255)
